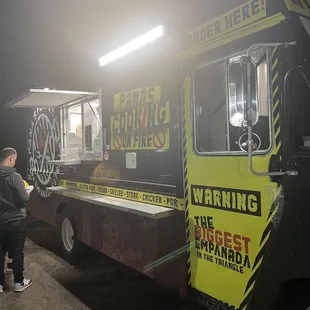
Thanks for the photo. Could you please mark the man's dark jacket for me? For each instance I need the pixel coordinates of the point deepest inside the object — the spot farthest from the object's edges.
(13, 196)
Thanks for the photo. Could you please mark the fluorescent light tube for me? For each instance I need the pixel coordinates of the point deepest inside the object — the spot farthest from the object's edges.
(132, 45)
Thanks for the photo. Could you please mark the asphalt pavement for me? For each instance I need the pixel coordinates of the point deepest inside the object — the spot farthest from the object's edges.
(96, 282)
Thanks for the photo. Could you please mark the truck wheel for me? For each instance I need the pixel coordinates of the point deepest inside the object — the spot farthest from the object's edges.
(72, 248)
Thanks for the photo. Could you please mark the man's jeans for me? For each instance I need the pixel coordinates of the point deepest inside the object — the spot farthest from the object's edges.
(12, 238)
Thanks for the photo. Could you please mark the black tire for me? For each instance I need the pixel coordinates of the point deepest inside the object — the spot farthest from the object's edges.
(72, 248)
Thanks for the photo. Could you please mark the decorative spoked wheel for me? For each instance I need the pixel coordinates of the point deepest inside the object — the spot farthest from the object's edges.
(67, 234)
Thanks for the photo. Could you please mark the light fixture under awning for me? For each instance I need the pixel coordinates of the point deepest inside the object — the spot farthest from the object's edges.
(48, 98)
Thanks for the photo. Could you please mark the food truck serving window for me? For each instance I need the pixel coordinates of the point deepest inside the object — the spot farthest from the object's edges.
(219, 106)
(81, 127)
(80, 115)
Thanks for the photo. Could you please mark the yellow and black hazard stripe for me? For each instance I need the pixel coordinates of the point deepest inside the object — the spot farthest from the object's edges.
(278, 198)
(267, 233)
(276, 99)
(185, 180)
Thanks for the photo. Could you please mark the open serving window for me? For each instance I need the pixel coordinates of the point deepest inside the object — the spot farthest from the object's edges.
(81, 124)
(80, 121)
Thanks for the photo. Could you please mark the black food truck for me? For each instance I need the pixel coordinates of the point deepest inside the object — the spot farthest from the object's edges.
(197, 174)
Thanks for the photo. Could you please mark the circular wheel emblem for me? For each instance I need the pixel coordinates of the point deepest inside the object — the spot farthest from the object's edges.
(43, 146)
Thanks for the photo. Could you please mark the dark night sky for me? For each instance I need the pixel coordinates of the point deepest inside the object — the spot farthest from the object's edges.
(56, 43)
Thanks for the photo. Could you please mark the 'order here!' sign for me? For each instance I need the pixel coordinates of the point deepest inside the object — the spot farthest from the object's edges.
(235, 19)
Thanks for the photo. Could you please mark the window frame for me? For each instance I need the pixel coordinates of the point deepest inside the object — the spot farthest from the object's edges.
(228, 89)
(86, 156)
(193, 108)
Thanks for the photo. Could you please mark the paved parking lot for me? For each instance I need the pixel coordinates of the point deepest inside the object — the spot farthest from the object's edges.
(96, 283)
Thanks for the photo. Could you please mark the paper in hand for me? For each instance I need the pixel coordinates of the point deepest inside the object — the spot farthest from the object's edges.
(29, 189)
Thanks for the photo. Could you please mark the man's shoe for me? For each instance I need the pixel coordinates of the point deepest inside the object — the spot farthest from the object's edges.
(20, 287)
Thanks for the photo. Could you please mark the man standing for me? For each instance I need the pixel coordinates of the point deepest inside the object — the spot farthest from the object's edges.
(13, 197)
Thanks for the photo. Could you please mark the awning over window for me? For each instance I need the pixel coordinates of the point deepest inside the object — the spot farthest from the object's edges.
(49, 98)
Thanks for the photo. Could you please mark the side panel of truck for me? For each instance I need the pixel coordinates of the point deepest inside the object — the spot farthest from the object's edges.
(152, 246)
(231, 214)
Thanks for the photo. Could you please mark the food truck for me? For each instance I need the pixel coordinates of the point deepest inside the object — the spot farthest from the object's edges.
(194, 167)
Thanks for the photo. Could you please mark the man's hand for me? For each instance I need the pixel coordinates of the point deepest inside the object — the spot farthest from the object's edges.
(29, 189)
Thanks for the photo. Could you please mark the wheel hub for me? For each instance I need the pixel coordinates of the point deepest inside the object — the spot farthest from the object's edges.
(67, 234)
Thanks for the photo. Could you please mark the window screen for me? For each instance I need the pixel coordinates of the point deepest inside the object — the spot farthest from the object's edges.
(82, 131)
(92, 128)
(211, 108)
